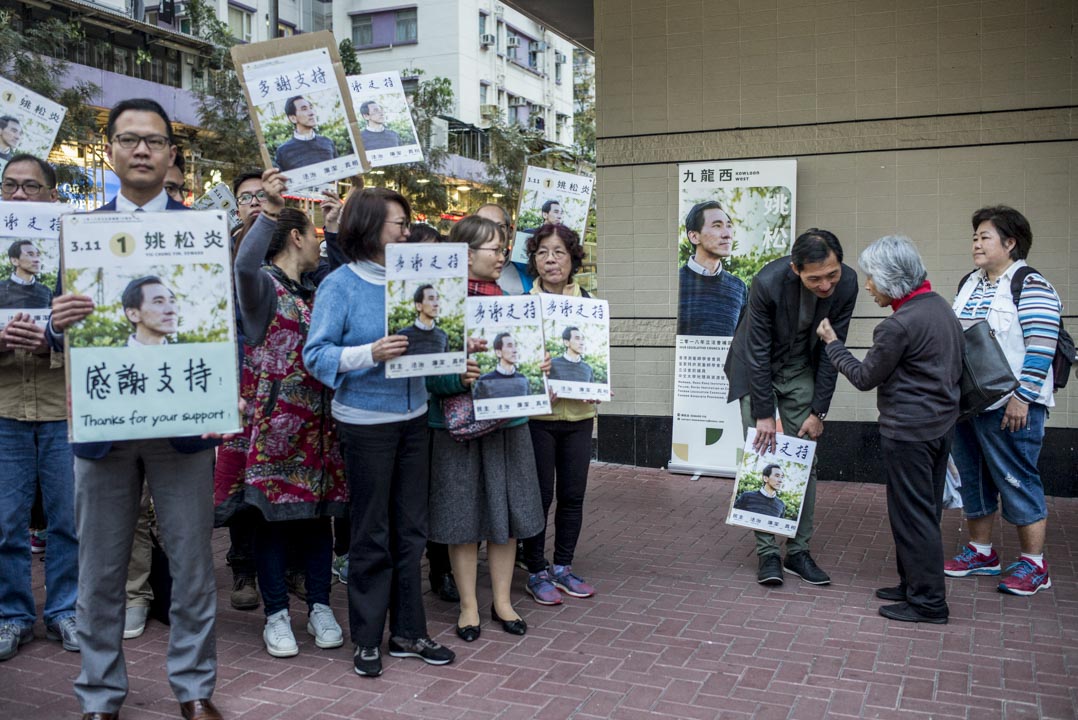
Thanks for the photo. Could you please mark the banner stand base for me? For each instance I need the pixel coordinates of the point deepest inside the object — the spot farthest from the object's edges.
(683, 469)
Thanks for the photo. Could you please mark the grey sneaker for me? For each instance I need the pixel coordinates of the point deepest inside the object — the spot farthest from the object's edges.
(64, 631)
(11, 637)
(423, 648)
(135, 621)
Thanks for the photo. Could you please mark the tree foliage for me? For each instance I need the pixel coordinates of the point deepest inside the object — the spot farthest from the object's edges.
(32, 55)
(584, 110)
(226, 138)
(349, 59)
(510, 146)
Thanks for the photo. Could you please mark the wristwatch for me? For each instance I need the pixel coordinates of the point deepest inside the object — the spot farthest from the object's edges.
(821, 415)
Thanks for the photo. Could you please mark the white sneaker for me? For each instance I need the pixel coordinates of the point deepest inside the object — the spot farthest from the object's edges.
(280, 642)
(323, 626)
(135, 621)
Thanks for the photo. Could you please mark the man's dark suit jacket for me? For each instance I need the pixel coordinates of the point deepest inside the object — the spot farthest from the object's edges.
(98, 450)
(765, 336)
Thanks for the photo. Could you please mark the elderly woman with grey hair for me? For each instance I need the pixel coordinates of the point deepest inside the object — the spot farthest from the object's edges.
(915, 362)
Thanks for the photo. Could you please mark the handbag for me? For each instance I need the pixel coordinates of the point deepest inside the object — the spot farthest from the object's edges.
(986, 374)
(460, 419)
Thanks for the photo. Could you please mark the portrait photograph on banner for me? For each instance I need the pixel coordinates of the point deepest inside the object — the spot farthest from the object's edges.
(550, 197)
(770, 487)
(733, 218)
(426, 286)
(30, 233)
(301, 108)
(511, 383)
(157, 356)
(577, 331)
(220, 197)
(28, 122)
(385, 118)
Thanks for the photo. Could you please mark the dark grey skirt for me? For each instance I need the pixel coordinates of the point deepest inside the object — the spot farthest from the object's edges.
(484, 489)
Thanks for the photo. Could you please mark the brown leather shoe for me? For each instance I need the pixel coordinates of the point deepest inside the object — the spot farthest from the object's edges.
(200, 710)
(100, 716)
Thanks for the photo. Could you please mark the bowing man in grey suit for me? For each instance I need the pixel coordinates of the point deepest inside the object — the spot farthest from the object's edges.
(109, 477)
(776, 360)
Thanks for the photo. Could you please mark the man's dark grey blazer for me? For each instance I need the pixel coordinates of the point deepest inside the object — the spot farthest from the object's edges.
(765, 336)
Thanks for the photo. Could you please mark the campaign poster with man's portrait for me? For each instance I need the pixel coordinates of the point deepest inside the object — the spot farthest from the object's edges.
(30, 237)
(770, 487)
(385, 119)
(511, 383)
(157, 357)
(301, 108)
(220, 197)
(550, 197)
(28, 122)
(426, 286)
(733, 218)
(577, 331)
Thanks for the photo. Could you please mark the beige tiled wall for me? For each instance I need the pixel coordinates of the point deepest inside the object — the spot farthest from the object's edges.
(833, 84)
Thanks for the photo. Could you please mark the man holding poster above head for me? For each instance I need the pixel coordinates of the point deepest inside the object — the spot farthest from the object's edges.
(776, 360)
(306, 146)
(109, 478)
(709, 299)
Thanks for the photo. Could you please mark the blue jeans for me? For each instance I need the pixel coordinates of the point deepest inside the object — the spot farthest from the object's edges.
(32, 453)
(999, 467)
(313, 537)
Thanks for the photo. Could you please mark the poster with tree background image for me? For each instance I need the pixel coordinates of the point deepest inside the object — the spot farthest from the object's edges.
(387, 129)
(577, 331)
(30, 241)
(770, 487)
(511, 383)
(565, 197)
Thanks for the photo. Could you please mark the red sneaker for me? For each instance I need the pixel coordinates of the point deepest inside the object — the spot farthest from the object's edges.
(971, 562)
(1027, 578)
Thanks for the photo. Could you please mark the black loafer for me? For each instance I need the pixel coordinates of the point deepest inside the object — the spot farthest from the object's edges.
(894, 594)
(468, 633)
(448, 589)
(904, 612)
(513, 627)
(770, 572)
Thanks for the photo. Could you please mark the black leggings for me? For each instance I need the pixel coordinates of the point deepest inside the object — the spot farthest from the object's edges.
(562, 452)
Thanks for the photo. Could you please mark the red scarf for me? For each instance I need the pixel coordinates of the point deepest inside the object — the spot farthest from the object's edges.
(926, 287)
(483, 287)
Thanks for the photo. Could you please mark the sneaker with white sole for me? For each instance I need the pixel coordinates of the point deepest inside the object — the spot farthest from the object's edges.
(367, 661)
(1026, 578)
(423, 648)
(64, 631)
(135, 621)
(280, 642)
(970, 562)
(324, 627)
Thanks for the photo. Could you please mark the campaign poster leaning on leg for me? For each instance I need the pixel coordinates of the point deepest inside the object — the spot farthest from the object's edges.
(733, 218)
(157, 357)
(770, 487)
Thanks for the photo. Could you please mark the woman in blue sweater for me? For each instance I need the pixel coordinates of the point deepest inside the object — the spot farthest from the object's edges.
(382, 424)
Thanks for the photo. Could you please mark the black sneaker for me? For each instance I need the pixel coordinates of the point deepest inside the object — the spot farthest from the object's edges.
(894, 594)
(803, 566)
(904, 612)
(770, 572)
(368, 661)
(423, 648)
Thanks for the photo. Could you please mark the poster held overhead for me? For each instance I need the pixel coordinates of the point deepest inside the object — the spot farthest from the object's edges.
(426, 286)
(30, 236)
(386, 125)
(28, 122)
(220, 197)
(511, 383)
(577, 331)
(301, 108)
(157, 356)
(550, 197)
(770, 488)
(733, 217)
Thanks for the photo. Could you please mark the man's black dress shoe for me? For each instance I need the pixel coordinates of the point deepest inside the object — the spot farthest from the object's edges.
(905, 612)
(894, 594)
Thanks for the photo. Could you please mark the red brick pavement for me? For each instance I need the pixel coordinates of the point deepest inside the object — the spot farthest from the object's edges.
(679, 629)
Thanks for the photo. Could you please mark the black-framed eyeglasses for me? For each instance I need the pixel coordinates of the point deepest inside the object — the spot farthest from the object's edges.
(130, 141)
(30, 187)
(248, 198)
(402, 224)
(504, 252)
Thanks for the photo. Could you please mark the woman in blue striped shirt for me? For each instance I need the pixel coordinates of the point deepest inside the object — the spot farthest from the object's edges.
(996, 452)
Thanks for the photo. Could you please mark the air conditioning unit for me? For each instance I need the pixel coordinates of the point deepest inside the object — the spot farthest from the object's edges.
(559, 57)
(512, 41)
(488, 39)
(489, 111)
(536, 46)
(518, 102)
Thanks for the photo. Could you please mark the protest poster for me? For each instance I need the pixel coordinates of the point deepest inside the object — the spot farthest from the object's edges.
(30, 233)
(550, 197)
(426, 286)
(386, 126)
(28, 122)
(577, 331)
(770, 487)
(157, 357)
(301, 108)
(751, 223)
(510, 383)
(220, 197)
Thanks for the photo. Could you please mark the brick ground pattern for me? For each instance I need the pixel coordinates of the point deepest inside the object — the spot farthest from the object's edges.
(679, 629)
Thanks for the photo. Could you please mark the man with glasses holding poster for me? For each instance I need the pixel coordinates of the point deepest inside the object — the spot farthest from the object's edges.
(178, 471)
(33, 442)
(776, 361)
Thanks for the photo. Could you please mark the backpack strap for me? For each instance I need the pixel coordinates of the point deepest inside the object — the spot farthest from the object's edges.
(963, 281)
(1018, 281)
